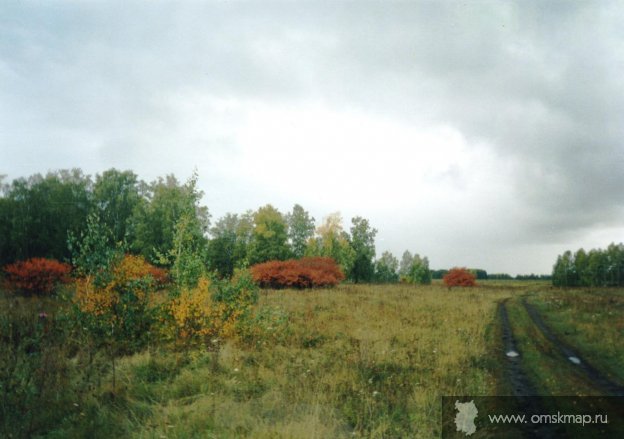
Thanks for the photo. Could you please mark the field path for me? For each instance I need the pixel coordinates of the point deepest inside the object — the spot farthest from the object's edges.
(591, 374)
(520, 384)
(526, 396)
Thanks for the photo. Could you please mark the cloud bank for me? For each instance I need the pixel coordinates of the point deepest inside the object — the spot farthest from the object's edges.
(484, 134)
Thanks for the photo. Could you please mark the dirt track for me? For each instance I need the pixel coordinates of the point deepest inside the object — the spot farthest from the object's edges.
(591, 374)
(526, 396)
(520, 384)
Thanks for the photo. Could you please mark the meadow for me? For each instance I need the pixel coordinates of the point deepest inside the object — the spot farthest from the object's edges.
(351, 361)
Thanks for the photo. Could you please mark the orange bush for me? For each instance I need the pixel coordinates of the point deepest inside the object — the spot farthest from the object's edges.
(36, 275)
(160, 275)
(459, 277)
(131, 268)
(297, 273)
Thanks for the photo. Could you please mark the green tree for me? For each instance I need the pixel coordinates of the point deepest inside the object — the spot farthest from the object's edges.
(597, 268)
(406, 263)
(227, 250)
(581, 267)
(186, 256)
(269, 239)
(116, 196)
(564, 271)
(94, 250)
(300, 230)
(419, 272)
(363, 243)
(480, 274)
(332, 241)
(155, 220)
(615, 264)
(386, 268)
(37, 214)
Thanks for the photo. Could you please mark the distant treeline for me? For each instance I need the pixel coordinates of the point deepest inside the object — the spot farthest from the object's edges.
(41, 216)
(481, 274)
(596, 268)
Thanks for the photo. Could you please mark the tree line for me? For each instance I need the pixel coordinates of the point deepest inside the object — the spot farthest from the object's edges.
(44, 215)
(596, 268)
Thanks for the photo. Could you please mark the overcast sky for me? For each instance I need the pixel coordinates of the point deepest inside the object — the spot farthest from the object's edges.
(479, 133)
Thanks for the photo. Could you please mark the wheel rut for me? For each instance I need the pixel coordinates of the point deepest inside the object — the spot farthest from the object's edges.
(528, 401)
(520, 384)
(589, 372)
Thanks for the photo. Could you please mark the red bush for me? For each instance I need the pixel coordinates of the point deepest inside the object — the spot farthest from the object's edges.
(160, 275)
(297, 273)
(36, 275)
(459, 277)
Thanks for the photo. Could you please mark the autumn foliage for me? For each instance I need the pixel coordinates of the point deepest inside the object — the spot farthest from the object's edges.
(459, 277)
(297, 273)
(201, 314)
(36, 275)
(99, 300)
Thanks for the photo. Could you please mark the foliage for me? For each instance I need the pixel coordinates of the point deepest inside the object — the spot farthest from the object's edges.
(155, 221)
(596, 268)
(211, 309)
(37, 213)
(363, 244)
(297, 273)
(406, 263)
(269, 240)
(116, 195)
(228, 248)
(191, 316)
(386, 268)
(419, 272)
(500, 276)
(159, 275)
(117, 314)
(332, 241)
(459, 277)
(439, 274)
(94, 250)
(479, 273)
(300, 230)
(185, 258)
(39, 382)
(36, 275)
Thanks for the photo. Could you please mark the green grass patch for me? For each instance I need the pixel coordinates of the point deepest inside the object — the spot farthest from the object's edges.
(589, 320)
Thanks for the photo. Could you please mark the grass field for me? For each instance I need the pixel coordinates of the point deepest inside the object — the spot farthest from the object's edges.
(353, 361)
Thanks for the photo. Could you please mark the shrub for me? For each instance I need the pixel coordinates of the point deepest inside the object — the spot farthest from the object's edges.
(210, 310)
(459, 277)
(297, 273)
(160, 276)
(36, 275)
(117, 313)
(190, 316)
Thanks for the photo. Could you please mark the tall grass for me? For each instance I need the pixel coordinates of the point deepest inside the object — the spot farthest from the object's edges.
(353, 361)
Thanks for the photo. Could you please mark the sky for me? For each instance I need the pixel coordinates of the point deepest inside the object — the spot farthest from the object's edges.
(484, 134)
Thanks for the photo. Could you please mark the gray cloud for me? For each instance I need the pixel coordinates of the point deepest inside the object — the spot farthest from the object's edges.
(538, 84)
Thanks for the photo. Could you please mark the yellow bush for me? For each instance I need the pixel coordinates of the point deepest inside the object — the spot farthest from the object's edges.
(206, 312)
(191, 314)
(99, 300)
(93, 300)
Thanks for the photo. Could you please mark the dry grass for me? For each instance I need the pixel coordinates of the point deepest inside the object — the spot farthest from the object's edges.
(355, 361)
